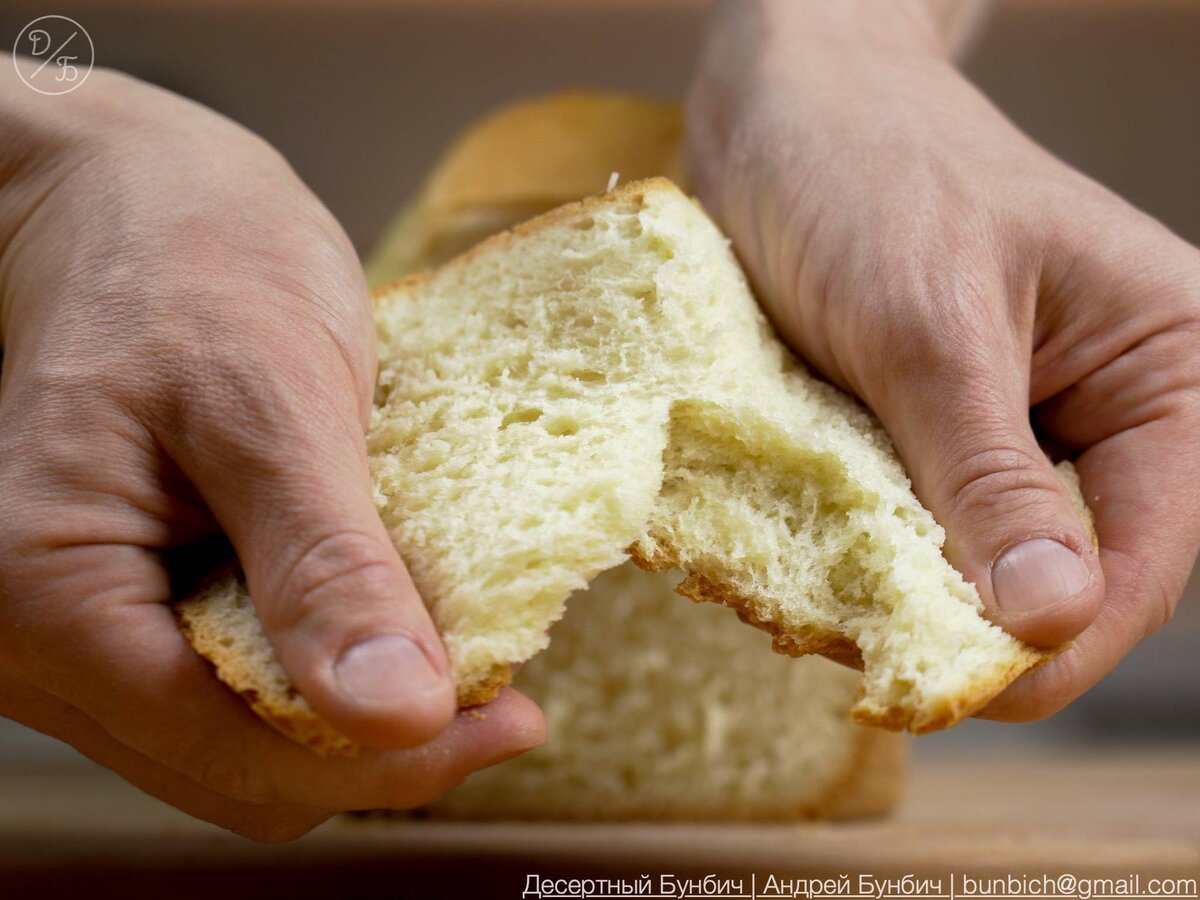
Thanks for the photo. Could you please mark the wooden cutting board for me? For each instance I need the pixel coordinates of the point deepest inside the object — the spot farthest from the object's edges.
(1109, 813)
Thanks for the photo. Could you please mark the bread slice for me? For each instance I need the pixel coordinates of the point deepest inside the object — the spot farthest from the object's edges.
(599, 382)
(661, 709)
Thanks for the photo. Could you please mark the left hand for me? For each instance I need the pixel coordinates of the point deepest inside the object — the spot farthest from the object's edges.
(921, 252)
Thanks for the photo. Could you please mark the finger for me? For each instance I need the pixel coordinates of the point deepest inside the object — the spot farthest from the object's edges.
(283, 465)
(956, 403)
(1145, 503)
(49, 715)
(120, 658)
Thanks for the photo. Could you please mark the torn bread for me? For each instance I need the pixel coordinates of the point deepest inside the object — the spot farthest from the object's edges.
(642, 725)
(599, 382)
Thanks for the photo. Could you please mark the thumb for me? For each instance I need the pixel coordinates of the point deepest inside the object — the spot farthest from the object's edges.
(287, 478)
(959, 416)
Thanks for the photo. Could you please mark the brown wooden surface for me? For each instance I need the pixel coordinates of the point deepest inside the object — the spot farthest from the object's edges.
(1094, 813)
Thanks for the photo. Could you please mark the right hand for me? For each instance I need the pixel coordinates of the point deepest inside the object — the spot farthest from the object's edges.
(189, 350)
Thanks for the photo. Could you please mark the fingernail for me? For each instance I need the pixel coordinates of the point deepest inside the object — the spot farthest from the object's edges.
(1036, 574)
(385, 668)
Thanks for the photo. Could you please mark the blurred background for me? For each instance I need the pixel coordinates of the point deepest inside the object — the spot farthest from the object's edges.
(362, 95)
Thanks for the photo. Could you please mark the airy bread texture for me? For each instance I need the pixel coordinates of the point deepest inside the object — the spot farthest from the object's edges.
(599, 382)
(663, 709)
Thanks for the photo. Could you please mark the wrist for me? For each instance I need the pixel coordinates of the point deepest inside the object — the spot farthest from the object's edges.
(821, 55)
(897, 29)
(832, 73)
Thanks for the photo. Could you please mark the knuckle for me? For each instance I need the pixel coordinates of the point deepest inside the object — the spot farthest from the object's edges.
(22, 619)
(14, 543)
(1041, 706)
(999, 480)
(345, 562)
(931, 324)
(442, 783)
(1159, 612)
(1153, 604)
(448, 782)
(219, 387)
(235, 396)
(1060, 682)
(430, 772)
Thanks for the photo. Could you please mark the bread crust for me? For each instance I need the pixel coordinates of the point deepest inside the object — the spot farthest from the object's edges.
(809, 639)
(484, 690)
(634, 191)
(284, 710)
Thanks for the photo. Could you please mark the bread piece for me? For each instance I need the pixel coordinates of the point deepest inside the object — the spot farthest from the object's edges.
(661, 709)
(600, 379)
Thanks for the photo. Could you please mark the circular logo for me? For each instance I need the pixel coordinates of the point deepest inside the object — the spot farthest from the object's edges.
(62, 52)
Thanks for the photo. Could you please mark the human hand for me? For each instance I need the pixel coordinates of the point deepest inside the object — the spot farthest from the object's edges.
(189, 350)
(922, 253)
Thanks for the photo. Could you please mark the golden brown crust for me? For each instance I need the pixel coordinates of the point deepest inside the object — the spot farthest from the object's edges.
(484, 689)
(294, 719)
(802, 641)
(964, 705)
(310, 730)
(807, 639)
(547, 150)
(634, 192)
(288, 712)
